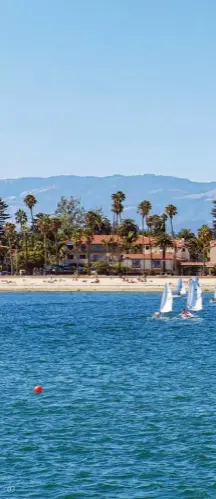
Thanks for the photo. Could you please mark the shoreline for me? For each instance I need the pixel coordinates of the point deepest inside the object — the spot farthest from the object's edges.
(86, 284)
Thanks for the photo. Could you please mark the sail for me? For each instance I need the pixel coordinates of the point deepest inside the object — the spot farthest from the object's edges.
(194, 296)
(178, 286)
(167, 300)
(190, 294)
(183, 290)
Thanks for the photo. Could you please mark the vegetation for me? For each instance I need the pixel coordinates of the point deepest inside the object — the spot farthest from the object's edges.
(36, 241)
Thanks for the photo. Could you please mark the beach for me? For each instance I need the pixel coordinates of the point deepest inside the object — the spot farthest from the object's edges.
(91, 284)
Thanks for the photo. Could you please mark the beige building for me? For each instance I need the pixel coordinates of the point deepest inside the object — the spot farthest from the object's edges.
(108, 248)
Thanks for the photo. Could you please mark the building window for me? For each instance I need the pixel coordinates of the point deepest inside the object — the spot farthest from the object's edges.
(136, 264)
(183, 250)
(97, 247)
(83, 247)
(147, 247)
(82, 257)
(96, 258)
(69, 246)
(156, 264)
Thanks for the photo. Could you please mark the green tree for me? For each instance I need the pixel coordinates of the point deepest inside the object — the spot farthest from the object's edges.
(172, 211)
(97, 222)
(150, 224)
(117, 206)
(22, 219)
(157, 224)
(204, 238)
(163, 218)
(71, 214)
(144, 209)
(110, 245)
(44, 227)
(128, 226)
(164, 241)
(213, 212)
(11, 237)
(30, 201)
(55, 226)
(88, 235)
(77, 238)
(4, 215)
(185, 234)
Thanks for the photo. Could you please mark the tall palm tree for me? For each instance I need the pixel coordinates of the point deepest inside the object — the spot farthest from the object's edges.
(164, 241)
(77, 237)
(143, 209)
(44, 227)
(117, 206)
(172, 211)
(11, 237)
(150, 223)
(163, 219)
(55, 225)
(204, 238)
(22, 219)
(30, 201)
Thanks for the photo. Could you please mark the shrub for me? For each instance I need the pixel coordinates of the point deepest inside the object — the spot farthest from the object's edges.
(102, 267)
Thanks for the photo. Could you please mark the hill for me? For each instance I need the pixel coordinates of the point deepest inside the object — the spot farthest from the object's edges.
(193, 199)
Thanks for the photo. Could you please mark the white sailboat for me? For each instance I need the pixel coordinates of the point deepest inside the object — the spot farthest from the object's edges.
(180, 289)
(194, 301)
(213, 300)
(166, 300)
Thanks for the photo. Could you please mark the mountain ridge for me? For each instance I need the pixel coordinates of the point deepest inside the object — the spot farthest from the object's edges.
(192, 198)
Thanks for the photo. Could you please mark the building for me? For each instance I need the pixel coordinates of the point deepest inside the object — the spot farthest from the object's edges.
(109, 248)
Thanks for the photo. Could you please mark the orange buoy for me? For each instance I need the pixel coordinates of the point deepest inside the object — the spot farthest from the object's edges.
(38, 389)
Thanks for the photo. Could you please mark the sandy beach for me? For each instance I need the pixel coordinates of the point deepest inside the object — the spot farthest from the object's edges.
(86, 284)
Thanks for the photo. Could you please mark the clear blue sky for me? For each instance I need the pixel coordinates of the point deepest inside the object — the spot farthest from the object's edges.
(97, 87)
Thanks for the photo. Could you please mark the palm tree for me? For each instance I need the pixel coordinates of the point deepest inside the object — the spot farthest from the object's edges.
(44, 227)
(77, 241)
(93, 220)
(30, 201)
(111, 245)
(164, 241)
(107, 247)
(150, 223)
(88, 234)
(204, 238)
(117, 206)
(172, 211)
(55, 225)
(11, 236)
(143, 209)
(185, 234)
(22, 219)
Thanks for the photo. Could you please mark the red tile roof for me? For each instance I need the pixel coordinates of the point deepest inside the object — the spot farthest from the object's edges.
(98, 239)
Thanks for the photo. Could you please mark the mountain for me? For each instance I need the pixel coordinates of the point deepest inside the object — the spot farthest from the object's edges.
(193, 199)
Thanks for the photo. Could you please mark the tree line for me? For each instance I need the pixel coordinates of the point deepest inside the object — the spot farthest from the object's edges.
(37, 239)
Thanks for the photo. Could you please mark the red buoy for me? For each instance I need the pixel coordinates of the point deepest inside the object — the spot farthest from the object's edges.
(38, 389)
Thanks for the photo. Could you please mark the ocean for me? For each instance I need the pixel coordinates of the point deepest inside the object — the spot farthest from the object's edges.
(128, 409)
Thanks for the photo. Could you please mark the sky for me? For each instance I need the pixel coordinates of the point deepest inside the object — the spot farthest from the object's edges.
(103, 87)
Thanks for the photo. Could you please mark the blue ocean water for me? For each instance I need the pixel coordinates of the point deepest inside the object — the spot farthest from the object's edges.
(129, 403)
